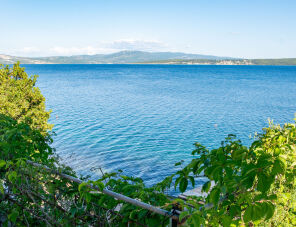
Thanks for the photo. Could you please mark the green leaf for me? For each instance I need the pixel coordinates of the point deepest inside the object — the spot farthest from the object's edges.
(206, 187)
(272, 197)
(179, 163)
(73, 211)
(238, 155)
(248, 214)
(13, 215)
(2, 163)
(177, 181)
(183, 184)
(183, 215)
(99, 184)
(195, 165)
(133, 214)
(87, 197)
(277, 151)
(270, 208)
(253, 212)
(82, 186)
(12, 176)
(142, 213)
(1, 188)
(191, 178)
(264, 182)
(234, 210)
(279, 166)
(226, 220)
(215, 196)
(217, 173)
(153, 221)
(248, 181)
(196, 219)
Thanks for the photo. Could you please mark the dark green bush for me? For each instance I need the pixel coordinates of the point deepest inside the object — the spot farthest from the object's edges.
(250, 186)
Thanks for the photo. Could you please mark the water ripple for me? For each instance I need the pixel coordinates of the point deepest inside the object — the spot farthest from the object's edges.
(143, 119)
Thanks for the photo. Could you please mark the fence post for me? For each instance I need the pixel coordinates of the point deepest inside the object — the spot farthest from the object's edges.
(174, 222)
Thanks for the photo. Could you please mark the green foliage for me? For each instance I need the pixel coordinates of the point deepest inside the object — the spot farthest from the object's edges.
(252, 186)
(20, 99)
(18, 140)
(133, 188)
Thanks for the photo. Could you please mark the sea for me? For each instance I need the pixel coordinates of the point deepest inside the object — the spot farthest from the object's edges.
(143, 119)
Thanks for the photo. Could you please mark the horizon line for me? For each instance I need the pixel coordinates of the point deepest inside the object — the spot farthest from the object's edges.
(143, 51)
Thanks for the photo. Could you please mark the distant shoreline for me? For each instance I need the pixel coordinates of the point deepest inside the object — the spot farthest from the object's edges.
(147, 64)
(157, 63)
(145, 58)
(141, 63)
(286, 62)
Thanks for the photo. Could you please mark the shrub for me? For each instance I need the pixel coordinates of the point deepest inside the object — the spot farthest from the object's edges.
(32, 196)
(251, 186)
(21, 99)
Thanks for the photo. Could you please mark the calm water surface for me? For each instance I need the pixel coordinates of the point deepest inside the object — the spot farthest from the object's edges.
(144, 118)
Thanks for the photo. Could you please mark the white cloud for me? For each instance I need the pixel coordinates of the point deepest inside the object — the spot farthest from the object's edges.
(73, 50)
(24, 51)
(56, 51)
(132, 44)
(100, 48)
(30, 50)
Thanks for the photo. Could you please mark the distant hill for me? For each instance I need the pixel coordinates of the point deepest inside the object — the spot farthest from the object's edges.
(122, 57)
(281, 61)
(141, 57)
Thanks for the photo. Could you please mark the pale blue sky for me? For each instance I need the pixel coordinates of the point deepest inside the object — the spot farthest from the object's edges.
(249, 29)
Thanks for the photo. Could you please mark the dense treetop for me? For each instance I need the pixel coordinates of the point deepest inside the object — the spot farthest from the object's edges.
(21, 99)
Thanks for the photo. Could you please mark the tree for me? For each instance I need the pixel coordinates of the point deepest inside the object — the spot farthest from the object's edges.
(21, 99)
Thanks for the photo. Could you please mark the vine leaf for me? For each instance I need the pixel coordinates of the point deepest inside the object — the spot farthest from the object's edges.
(206, 187)
(183, 184)
(2, 163)
(13, 215)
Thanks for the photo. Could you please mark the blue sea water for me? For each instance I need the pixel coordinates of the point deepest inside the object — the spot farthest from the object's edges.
(144, 118)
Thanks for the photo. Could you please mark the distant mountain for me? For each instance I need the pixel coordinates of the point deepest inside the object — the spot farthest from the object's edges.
(130, 57)
(122, 57)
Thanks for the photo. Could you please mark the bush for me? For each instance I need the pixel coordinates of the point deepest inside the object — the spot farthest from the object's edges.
(32, 196)
(28, 195)
(21, 100)
(251, 186)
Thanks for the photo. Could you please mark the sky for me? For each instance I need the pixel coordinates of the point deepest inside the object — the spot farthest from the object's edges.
(245, 29)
